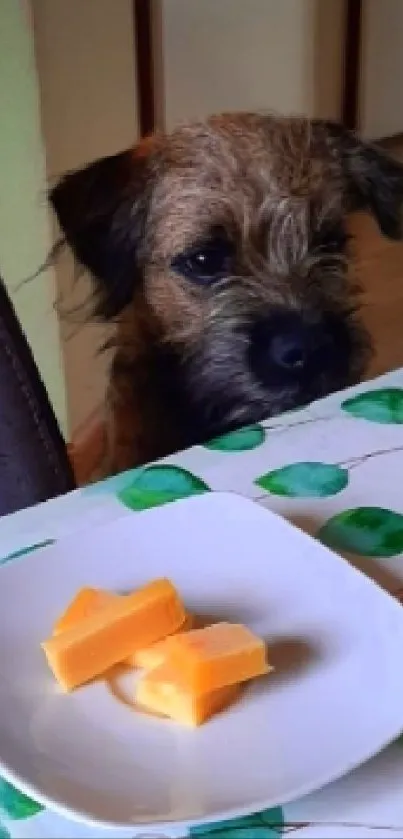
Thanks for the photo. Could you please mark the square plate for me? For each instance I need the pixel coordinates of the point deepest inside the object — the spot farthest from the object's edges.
(335, 700)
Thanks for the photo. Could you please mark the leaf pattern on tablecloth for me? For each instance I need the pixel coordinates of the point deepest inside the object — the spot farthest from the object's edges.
(362, 530)
(367, 531)
(27, 550)
(305, 480)
(268, 824)
(384, 405)
(15, 805)
(242, 440)
(160, 484)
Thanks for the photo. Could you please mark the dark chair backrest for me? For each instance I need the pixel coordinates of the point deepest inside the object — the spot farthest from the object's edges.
(34, 465)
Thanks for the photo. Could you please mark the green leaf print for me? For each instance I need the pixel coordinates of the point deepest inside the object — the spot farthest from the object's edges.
(160, 484)
(4, 834)
(383, 406)
(266, 825)
(14, 804)
(252, 831)
(242, 440)
(26, 550)
(368, 531)
(305, 480)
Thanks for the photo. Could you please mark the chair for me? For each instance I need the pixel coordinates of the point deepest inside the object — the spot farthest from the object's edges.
(34, 465)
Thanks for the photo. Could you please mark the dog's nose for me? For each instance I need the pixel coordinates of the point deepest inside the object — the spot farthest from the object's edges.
(282, 343)
(289, 350)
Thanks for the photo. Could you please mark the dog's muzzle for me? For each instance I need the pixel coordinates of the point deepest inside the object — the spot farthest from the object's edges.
(288, 349)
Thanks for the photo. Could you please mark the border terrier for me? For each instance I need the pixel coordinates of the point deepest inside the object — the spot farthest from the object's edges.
(221, 250)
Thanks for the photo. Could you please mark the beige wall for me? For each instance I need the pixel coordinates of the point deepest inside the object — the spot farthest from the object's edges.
(25, 236)
(381, 106)
(85, 59)
(284, 55)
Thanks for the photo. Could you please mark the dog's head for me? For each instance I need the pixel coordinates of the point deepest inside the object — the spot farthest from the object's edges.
(231, 234)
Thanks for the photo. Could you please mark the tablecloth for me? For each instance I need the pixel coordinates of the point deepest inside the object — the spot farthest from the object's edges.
(336, 470)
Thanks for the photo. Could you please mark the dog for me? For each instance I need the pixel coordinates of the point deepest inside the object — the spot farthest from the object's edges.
(222, 253)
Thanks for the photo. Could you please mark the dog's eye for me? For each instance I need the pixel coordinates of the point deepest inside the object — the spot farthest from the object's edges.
(330, 238)
(206, 263)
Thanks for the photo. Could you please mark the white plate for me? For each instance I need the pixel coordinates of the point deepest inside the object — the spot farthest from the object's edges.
(336, 699)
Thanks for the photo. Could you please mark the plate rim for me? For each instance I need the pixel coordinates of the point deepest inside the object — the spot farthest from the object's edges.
(155, 827)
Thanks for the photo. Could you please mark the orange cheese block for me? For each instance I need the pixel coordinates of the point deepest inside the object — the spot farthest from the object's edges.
(86, 601)
(110, 634)
(150, 657)
(161, 691)
(216, 656)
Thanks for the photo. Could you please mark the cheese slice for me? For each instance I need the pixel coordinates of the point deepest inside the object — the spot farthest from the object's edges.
(110, 634)
(216, 656)
(161, 691)
(150, 657)
(86, 601)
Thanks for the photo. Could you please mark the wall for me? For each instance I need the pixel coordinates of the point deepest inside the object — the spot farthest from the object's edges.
(381, 107)
(284, 55)
(85, 59)
(25, 236)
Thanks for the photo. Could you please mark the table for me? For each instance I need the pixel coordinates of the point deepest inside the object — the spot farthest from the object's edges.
(335, 469)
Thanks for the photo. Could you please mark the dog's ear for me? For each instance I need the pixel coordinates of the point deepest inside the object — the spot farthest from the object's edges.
(373, 181)
(102, 212)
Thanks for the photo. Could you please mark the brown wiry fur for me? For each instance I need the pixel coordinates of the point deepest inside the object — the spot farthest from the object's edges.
(279, 190)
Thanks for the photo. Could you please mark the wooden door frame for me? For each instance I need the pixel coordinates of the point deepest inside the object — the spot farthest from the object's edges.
(352, 63)
(144, 62)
